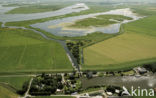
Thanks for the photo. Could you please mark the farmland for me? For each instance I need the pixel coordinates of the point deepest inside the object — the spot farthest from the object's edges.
(15, 82)
(23, 50)
(6, 93)
(136, 44)
(37, 63)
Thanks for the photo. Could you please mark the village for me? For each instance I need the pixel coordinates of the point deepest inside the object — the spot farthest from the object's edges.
(70, 84)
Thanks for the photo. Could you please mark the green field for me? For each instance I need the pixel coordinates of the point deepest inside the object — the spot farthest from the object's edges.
(96, 37)
(134, 46)
(26, 51)
(15, 82)
(6, 93)
(101, 20)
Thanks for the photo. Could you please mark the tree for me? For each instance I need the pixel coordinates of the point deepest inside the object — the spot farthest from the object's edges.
(43, 75)
(60, 86)
(59, 78)
(94, 72)
(89, 75)
(71, 77)
(24, 88)
(110, 89)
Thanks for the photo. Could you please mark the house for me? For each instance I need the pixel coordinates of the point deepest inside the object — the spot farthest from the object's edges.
(109, 93)
(117, 91)
(75, 93)
(58, 90)
(141, 70)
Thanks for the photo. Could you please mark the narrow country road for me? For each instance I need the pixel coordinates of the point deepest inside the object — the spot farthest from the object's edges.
(27, 92)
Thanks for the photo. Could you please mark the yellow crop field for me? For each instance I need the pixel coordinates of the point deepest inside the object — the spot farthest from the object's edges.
(123, 48)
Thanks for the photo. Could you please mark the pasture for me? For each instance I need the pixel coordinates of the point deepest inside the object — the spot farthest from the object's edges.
(26, 51)
(136, 45)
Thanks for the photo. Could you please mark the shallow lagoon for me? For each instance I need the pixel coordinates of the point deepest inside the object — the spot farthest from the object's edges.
(61, 30)
(55, 26)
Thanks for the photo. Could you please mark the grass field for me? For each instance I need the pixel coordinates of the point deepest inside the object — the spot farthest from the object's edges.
(24, 50)
(136, 44)
(15, 82)
(6, 93)
(101, 20)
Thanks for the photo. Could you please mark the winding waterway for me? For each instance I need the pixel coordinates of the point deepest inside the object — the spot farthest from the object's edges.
(3, 10)
(22, 17)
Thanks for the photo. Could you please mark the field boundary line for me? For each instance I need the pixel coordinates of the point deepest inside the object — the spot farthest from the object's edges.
(22, 55)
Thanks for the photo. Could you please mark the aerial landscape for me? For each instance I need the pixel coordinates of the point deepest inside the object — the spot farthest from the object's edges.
(77, 48)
